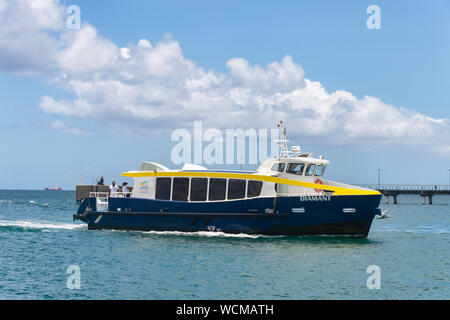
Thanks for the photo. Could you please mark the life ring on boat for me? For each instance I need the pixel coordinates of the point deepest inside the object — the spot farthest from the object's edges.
(318, 181)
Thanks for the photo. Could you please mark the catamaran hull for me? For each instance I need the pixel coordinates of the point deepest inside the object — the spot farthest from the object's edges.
(339, 215)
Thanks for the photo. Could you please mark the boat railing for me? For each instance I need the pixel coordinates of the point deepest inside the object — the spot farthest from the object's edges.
(107, 195)
(99, 195)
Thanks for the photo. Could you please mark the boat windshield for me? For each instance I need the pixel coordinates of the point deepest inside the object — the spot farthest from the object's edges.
(278, 167)
(295, 168)
(310, 169)
(319, 170)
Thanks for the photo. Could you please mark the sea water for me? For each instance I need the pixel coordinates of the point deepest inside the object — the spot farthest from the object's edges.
(40, 246)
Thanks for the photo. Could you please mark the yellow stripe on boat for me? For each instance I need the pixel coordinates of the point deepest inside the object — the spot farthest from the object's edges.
(338, 191)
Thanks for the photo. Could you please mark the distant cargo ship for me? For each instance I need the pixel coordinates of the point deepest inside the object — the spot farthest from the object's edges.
(53, 189)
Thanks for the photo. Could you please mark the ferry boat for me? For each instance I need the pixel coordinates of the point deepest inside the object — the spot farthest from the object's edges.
(286, 195)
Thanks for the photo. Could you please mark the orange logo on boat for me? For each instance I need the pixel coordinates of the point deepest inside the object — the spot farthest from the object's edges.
(318, 181)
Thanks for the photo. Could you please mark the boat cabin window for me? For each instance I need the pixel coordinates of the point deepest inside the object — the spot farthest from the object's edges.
(236, 189)
(278, 167)
(310, 169)
(254, 188)
(217, 189)
(163, 186)
(180, 189)
(319, 170)
(295, 168)
(199, 188)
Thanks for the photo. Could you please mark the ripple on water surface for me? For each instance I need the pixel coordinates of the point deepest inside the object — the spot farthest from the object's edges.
(39, 241)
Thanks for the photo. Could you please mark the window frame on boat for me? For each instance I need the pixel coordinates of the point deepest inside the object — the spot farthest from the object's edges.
(322, 172)
(279, 164)
(254, 191)
(307, 171)
(235, 190)
(247, 188)
(176, 191)
(225, 191)
(170, 188)
(297, 173)
(206, 191)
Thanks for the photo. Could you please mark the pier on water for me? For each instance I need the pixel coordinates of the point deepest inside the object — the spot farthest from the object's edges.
(425, 191)
(83, 191)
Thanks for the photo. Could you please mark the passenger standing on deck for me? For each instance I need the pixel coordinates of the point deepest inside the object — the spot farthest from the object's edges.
(113, 189)
(125, 189)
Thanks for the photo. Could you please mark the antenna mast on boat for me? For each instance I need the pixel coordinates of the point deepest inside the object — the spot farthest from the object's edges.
(283, 142)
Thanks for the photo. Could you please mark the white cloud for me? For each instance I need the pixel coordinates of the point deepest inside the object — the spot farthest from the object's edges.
(86, 52)
(155, 87)
(144, 43)
(26, 43)
(125, 53)
(285, 76)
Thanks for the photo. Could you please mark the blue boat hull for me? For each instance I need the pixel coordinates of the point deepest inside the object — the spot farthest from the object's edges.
(290, 216)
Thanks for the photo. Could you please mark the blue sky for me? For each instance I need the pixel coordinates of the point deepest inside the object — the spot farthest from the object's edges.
(405, 64)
